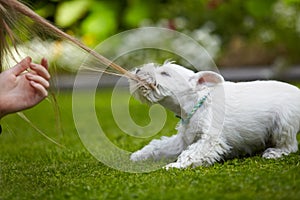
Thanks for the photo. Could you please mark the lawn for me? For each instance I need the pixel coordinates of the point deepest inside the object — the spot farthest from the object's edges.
(32, 167)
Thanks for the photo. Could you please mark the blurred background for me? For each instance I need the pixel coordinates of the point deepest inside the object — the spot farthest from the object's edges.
(252, 39)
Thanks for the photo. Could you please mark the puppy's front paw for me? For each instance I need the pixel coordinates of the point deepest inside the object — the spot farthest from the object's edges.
(139, 156)
(174, 165)
(272, 153)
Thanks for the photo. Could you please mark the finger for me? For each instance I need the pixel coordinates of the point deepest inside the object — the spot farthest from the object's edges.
(38, 79)
(44, 63)
(40, 89)
(21, 66)
(40, 70)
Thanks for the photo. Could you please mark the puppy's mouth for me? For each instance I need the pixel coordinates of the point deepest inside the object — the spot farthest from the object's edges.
(147, 89)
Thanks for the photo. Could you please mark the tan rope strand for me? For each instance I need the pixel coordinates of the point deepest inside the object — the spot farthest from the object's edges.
(31, 14)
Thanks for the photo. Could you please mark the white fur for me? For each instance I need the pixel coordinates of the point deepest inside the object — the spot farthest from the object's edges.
(236, 119)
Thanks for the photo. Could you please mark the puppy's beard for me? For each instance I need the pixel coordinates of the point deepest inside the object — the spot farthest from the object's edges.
(148, 90)
(157, 94)
(149, 95)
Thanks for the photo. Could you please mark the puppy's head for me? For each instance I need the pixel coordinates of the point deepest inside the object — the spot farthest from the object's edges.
(168, 80)
(171, 83)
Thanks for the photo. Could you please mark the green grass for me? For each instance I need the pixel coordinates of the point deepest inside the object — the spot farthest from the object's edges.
(31, 167)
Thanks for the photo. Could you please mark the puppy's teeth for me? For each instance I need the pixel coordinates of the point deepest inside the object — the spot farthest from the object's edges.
(157, 91)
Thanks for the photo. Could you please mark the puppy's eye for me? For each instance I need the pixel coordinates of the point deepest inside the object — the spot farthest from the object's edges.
(165, 74)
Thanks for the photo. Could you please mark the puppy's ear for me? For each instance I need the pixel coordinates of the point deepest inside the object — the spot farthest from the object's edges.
(207, 78)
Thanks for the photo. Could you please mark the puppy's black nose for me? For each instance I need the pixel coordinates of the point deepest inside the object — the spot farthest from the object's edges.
(137, 71)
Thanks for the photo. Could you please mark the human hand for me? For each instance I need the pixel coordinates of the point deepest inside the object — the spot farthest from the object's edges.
(23, 86)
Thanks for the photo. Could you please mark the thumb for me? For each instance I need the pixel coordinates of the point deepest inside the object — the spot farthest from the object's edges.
(21, 66)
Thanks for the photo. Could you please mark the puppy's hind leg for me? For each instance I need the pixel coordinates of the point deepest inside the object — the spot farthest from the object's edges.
(285, 142)
(164, 148)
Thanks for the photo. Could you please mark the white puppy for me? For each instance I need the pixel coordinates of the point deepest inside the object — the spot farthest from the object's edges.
(219, 119)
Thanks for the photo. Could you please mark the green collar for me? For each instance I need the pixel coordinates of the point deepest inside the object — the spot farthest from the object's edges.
(195, 108)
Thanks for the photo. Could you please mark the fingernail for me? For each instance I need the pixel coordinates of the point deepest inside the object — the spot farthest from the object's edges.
(33, 65)
(28, 59)
(29, 75)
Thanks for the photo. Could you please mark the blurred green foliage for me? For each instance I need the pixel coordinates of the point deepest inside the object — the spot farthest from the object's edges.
(271, 23)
